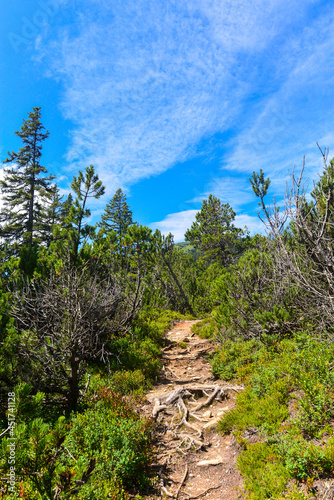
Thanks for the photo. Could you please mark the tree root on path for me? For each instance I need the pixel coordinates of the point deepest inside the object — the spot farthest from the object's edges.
(184, 420)
(167, 400)
(177, 398)
(204, 492)
(218, 393)
(182, 481)
(190, 442)
(194, 439)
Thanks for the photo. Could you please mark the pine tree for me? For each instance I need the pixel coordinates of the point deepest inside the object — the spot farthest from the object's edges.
(85, 186)
(117, 215)
(53, 215)
(214, 233)
(26, 192)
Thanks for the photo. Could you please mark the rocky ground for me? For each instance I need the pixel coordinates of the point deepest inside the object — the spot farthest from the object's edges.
(192, 459)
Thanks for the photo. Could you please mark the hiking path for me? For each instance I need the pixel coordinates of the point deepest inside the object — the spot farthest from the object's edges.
(192, 460)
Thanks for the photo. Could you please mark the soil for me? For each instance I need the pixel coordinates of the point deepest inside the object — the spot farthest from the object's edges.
(192, 459)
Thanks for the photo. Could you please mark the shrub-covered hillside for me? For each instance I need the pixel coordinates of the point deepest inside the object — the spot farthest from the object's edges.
(83, 311)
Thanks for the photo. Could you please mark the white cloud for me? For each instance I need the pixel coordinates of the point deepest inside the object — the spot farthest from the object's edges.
(253, 224)
(290, 121)
(236, 191)
(176, 223)
(145, 81)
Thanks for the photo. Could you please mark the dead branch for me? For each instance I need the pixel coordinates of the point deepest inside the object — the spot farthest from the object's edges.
(166, 492)
(84, 392)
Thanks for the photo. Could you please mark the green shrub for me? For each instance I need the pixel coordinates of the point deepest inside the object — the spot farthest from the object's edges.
(141, 355)
(113, 434)
(183, 345)
(252, 304)
(235, 358)
(205, 329)
(304, 459)
(126, 382)
(140, 349)
(263, 412)
(265, 474)
(289, 400)
(38, 451)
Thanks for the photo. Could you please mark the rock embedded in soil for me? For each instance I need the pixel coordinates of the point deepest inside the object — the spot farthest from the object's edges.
(205, 463)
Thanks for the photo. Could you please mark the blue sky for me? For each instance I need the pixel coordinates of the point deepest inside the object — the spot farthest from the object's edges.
(172, 100)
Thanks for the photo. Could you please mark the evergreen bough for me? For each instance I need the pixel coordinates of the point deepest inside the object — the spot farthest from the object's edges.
(26, 191)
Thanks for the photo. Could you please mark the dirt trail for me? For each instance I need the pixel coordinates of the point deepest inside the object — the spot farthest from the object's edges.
(193, 459)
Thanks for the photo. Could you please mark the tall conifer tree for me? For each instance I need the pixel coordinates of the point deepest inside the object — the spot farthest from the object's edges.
(117, 215)
(25, 191)
(214, 233)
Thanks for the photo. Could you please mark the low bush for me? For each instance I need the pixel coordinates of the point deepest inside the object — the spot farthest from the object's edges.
(234, 359)
(104, 448)
(127, 382)
(205, 329)
(265, 473)
(112, 434)
(288, 403)
(97, 454)
(140, 349)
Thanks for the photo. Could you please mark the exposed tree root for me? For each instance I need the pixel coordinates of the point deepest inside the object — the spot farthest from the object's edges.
(187, 414)
(166, 492)
(217, 391)
(177, 397)
(182, 481)
(204, 492)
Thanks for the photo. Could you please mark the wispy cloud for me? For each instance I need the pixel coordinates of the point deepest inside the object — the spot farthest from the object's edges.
(253, 224)
(236, 191)
(290, 121)
(145, 81)
(177, 224)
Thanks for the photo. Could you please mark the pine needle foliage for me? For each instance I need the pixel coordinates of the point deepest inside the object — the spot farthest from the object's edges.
(117, 215)
(26, 191)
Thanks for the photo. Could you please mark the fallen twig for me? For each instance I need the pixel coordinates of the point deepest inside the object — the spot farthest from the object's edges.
(164, 490)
